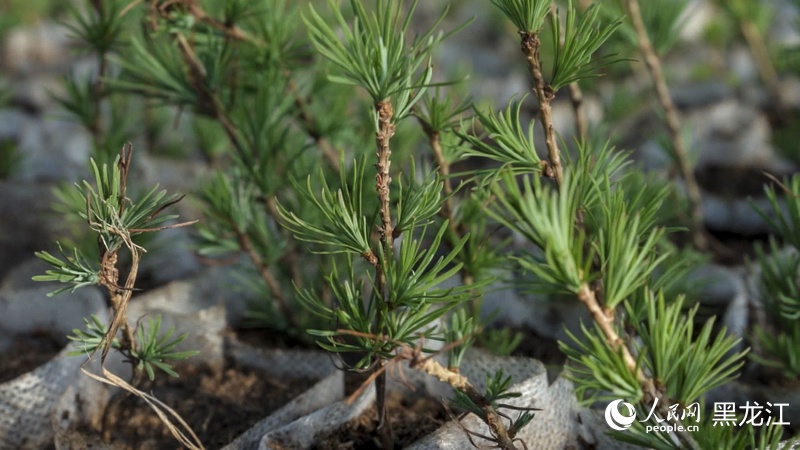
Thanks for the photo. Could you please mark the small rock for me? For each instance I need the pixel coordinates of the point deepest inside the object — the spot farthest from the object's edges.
(731, 134)
(735, 215)
(54, 150)
(695, 95)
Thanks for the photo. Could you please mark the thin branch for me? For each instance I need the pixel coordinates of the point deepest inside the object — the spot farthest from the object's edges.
(604, 318)
(307, 121)
(229, 30)
(383, 179)
(653, 64)
(210, 100)
(755, 40)
(263, 269)
(456, 228)
(207, 98)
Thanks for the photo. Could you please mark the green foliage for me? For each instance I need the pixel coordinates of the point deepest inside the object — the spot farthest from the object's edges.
(627, 246)
(545, 218)
(154, 69)
(78, 100)
(74, 270)
(525, 15)
(92, 338)
(785, 223)
(600, 372)
(779, 283)
(440, 113)
(418, 203)
(345, 226)
(582, 37)
(154, 351)
(497, 389)
(116, 218)
(780, 350)
(460, 334)
(233, 213)
(414, 300)
(100, 28)
(749, 437)
(508, 142)
(373, 53)
(687, 361)
(501, 341)
(413, 279)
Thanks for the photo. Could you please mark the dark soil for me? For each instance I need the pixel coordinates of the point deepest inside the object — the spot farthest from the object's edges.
(410, 421)
(539, 347)
(270, 339)
(217, 406)
(28, 352)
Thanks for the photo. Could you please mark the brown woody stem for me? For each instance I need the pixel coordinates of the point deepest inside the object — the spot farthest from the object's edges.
(530, 45)
(382, 177)
(604, 318)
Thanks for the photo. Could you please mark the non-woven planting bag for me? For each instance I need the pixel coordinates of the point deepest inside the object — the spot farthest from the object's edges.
(555, 424)
(27, 401)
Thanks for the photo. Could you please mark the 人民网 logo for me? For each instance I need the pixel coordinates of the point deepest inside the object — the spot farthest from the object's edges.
(616, 419)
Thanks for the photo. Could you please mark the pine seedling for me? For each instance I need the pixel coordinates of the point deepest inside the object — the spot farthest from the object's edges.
(238, 66)
(599, 243)
(403, 296)
(116, 220)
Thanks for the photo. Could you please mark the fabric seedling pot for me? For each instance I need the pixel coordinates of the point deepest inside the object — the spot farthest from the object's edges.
(555, 425)
(306, 431)
(27, 401)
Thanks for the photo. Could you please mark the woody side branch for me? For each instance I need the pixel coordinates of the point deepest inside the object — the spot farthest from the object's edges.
(530, 45)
